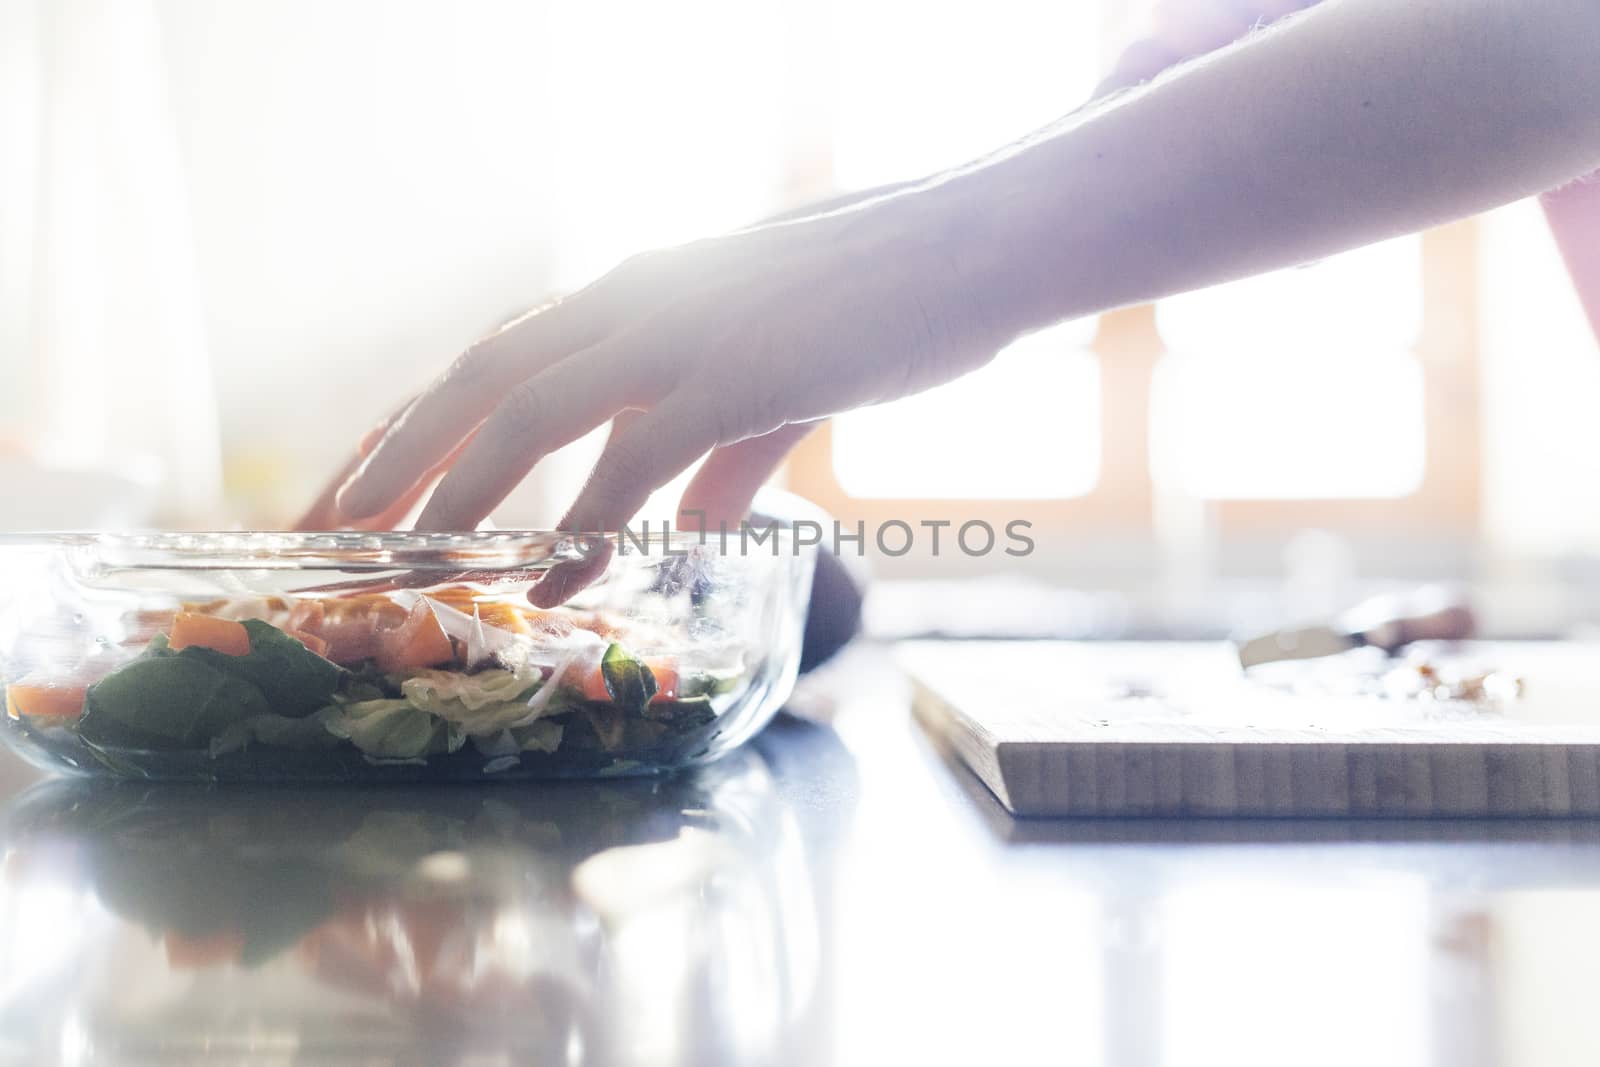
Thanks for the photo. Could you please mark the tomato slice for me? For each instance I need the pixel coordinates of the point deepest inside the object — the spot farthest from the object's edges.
(208, 631)
(45, 700)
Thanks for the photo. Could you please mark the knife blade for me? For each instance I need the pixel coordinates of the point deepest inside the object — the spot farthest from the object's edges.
(1385, 624)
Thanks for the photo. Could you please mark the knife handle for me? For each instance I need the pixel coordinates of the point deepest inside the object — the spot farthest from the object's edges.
(1454, 622)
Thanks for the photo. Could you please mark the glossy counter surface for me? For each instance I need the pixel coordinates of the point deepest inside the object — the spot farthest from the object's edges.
(839, 892)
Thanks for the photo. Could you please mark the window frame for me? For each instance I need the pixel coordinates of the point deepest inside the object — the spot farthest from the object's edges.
(1128, 348)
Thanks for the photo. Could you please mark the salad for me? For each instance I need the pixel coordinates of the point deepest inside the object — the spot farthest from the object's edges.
(454, 682)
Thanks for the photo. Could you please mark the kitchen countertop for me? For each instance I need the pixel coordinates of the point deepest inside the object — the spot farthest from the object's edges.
(839, 892)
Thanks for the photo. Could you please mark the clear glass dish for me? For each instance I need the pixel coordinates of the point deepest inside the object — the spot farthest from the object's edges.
(394, 656)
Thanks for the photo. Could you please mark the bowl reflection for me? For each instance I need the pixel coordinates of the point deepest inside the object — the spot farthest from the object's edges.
(626, 921)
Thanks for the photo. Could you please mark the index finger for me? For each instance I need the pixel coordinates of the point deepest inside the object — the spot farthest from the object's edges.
(323, 513)
(461, 398)
(535, 418)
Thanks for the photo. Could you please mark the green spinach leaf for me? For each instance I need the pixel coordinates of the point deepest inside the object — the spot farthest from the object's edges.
(709, 684)
(367, 681)
(684, 714)
(295, 680)
(277, 731)
(629, 682)
(166, 701)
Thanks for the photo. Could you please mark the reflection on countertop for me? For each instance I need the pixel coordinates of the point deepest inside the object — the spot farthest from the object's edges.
(833, 894)
(620, 921)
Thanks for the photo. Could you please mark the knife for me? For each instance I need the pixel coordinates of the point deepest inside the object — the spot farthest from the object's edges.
(1386, 624)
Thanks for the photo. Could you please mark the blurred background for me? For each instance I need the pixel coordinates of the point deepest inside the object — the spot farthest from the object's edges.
(233, 235)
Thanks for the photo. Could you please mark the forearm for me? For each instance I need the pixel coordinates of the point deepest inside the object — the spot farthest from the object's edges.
(1354, 122)
(838, 202)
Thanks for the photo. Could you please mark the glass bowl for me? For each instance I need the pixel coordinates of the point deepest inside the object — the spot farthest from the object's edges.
(395, 656)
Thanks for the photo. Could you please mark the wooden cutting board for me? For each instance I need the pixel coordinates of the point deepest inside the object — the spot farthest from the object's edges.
(1173, 730)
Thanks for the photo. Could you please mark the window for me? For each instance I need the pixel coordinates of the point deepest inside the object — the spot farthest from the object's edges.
(1265, 378)
(1026, 427)
(1262, 427)
(1269, 426)
(1340, 395)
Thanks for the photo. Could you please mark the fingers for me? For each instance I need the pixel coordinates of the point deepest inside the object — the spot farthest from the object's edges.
(570, 577)
(721, 490)
(535, 418)
(463, 396)
(642, 455)
(622, 420)
(391, 517)
(645, 451)
(370, 439)
(324, 513)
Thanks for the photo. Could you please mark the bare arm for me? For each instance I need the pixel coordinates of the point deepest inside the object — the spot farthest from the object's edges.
(1356, 121)
(1347, 124)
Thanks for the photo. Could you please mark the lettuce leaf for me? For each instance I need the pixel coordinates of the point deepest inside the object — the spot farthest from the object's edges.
(541, 736)
(503, 751)
(432, 690)
(393, 730)
(482, 704)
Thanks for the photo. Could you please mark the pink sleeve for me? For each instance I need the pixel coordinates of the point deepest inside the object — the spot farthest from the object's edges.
(1574, 214)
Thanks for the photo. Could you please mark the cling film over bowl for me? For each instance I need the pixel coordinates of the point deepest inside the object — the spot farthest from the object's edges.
(328, 657)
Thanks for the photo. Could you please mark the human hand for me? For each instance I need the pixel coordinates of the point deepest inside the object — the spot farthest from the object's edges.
(736, 345)
(324, 513)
